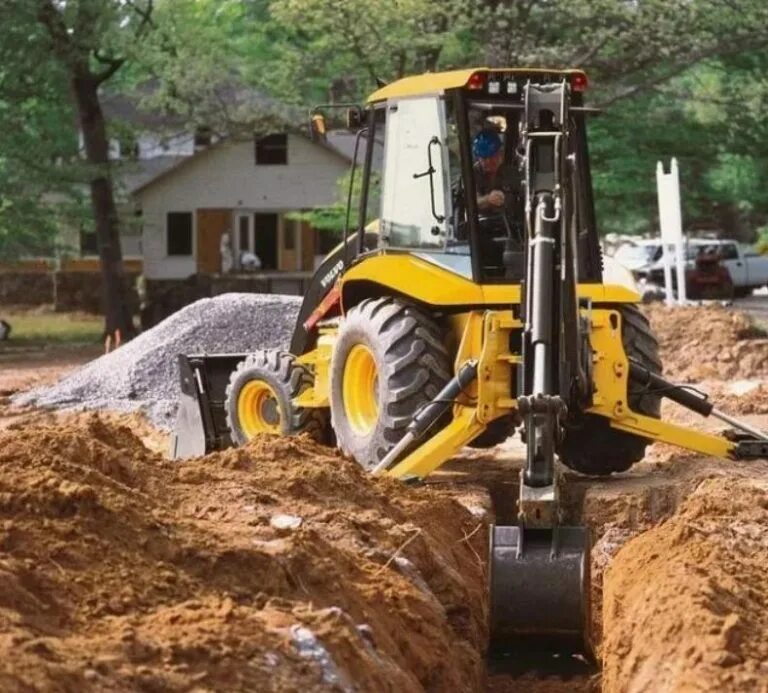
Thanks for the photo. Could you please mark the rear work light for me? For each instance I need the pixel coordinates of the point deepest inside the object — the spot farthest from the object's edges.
(579, 81)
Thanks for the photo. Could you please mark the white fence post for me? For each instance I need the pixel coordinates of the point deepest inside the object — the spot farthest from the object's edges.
(671, 225)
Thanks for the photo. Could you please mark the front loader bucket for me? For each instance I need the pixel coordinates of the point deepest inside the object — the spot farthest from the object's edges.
(201, 425)
(539, 587)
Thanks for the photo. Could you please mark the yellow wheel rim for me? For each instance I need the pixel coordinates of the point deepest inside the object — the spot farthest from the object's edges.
(361, 390)
(258, 410)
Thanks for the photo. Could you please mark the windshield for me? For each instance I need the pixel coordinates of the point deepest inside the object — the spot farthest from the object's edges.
(638, 253)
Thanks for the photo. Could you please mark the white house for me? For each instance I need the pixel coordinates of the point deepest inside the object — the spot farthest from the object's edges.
(245, 189)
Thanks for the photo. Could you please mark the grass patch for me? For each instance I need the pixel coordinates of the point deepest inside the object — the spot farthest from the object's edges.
(36, 328)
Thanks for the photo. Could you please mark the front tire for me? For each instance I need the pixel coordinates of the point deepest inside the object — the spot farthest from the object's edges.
(592, 447)
(389, 360)
(259, 398)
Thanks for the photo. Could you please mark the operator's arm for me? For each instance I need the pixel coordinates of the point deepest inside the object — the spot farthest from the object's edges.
(490, 202)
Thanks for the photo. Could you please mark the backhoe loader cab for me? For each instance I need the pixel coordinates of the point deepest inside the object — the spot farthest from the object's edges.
(434, 181)
(473, 308)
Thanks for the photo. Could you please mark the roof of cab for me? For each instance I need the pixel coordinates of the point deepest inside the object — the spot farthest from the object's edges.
(436, 82)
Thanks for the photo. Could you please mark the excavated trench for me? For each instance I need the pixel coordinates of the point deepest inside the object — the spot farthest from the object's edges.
(281, 566)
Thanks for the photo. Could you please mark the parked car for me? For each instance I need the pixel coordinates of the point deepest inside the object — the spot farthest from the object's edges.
(748, 269)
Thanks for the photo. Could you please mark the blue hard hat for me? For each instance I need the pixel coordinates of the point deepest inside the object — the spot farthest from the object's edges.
(486, 144)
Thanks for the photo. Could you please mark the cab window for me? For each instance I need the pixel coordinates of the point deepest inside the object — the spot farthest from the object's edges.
(416, 201)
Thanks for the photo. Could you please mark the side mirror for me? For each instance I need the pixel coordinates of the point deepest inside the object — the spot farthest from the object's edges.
(354, 118)
(317, 126)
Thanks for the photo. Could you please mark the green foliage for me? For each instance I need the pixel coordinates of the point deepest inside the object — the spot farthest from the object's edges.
(681, 78)
(709, 118)
(43, 175)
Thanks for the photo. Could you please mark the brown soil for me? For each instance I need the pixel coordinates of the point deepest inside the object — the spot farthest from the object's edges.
(122, 570)
(25, 368)
(686, 603)
(708, 342)
(275, 567)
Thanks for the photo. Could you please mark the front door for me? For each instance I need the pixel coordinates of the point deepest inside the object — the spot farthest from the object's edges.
(265, 237)
(211, 224)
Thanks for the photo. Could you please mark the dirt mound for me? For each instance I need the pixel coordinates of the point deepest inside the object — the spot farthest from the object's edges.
(701, 342)
(752, 400)
(274, 567)
(686, 603)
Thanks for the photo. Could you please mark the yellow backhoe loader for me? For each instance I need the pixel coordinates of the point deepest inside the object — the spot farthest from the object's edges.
(474, 307)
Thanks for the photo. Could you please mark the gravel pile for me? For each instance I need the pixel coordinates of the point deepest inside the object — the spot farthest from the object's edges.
(143, 374)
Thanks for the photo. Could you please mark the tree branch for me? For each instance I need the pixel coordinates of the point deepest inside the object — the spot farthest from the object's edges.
(145, 14)
(113, 65)
(62, 42)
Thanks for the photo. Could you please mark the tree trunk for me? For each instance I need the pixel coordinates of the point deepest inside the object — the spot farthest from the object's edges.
(116, 306)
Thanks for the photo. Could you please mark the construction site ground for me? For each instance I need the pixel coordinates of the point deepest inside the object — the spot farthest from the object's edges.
(282, 567)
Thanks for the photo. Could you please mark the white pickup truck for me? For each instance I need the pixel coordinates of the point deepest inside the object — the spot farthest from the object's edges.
(747, 268)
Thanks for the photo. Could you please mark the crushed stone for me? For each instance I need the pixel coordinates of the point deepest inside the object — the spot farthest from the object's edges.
(143, 374)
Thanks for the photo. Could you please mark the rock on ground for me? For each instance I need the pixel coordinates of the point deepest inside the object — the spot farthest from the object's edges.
(143, 374)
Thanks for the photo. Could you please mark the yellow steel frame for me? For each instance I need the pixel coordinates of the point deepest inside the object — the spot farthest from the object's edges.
(431, 284)
(611, 375)
(485, 335)
(320, 361)
(438, 82)
(495, 380)
(495, 371)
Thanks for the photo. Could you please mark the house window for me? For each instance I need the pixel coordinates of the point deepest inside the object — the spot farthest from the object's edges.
(179, 233)
(272, 149)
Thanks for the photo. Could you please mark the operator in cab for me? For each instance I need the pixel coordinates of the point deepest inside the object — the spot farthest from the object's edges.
(492, 177)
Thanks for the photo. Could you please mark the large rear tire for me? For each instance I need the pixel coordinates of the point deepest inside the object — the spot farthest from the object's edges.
(389, 360)
(593, 447)
(259, 398)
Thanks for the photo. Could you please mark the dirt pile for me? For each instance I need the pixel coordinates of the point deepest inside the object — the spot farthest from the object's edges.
(701, 342)
(273, 567)
(753, 400)
(686, 603)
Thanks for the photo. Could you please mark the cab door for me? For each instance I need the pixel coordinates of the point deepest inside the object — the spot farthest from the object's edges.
(730, 257)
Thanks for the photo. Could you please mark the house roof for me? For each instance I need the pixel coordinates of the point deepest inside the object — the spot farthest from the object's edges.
(136, 174)
(343, 142)
(183, 161)
(128, 109)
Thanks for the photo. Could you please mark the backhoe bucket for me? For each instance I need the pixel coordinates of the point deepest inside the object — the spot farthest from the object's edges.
(539, 587)
(201, 425)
